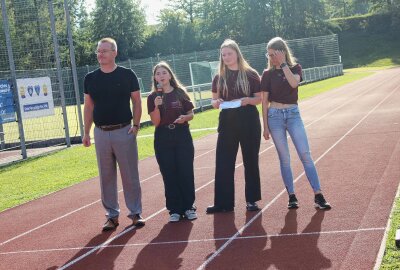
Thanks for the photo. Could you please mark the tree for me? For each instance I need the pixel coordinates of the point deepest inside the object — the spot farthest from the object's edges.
(173, 35)
(221, 19)
(123, 20)
(190, 7)
(81, 34)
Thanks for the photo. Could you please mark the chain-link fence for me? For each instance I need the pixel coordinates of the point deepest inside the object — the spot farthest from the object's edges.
(36, 44)
(34, 49)
(311, 52)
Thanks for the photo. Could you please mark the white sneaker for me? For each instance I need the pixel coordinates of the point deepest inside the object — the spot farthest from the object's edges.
(174, 217)
(190, 214)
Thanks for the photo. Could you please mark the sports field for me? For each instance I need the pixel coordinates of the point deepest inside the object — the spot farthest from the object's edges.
(354, 136)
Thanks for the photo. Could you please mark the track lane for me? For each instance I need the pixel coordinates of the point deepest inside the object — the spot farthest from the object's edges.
(206, 195)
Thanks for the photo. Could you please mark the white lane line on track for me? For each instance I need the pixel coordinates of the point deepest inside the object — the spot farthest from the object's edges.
(83, 207)
(86, 206)
(79, 209)
(201, 240)
(105, 244)
(216, 253)
(118, 235)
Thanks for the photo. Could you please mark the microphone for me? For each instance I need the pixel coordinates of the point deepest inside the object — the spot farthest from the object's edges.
(159, 90)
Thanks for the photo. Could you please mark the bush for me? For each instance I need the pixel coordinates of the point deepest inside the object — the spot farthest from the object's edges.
(366, 49)
(369, 23)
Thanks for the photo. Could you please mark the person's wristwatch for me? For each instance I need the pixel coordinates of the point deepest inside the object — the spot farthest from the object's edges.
(136, 126)
(283, 65)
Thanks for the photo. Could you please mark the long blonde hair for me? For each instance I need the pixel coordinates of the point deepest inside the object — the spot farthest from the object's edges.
(242, 83)
(174, 82)
(279, 44)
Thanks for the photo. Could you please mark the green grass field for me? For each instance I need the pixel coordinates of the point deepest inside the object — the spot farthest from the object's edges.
(391, 259)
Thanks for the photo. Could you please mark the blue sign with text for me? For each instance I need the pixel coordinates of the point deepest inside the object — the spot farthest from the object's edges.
(7, 111)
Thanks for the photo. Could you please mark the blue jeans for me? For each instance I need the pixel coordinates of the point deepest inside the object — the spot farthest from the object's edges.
(280, 121)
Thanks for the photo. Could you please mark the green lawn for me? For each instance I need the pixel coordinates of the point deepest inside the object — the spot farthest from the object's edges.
(369, 50)
(391, 259)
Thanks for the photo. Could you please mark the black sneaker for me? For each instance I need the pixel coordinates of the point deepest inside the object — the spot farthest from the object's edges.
(321, 203)
(252, 206)
(216, 209)
(293, 202)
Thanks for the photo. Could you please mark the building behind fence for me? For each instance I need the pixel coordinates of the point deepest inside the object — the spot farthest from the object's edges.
(319, 57)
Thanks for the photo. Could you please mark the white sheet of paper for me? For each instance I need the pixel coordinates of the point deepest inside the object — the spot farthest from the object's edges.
(230, 104)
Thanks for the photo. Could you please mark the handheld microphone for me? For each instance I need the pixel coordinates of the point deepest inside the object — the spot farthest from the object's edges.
(159, 90)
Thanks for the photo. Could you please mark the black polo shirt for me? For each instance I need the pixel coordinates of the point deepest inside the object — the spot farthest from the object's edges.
(111, 94)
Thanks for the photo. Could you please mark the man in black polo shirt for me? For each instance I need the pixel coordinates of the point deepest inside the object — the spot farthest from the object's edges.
(108, 92)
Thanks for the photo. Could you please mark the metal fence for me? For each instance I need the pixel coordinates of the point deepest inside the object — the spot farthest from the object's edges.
(35, 43)
(310, 52)
(51, 55)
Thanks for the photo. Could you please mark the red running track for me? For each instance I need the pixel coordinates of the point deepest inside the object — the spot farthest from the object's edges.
(354, 136)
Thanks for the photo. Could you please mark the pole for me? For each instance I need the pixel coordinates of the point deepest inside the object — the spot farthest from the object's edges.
(14, 78)
(73, 67)
(59, 75)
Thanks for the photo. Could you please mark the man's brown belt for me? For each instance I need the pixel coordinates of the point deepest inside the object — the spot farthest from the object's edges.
(113, 127)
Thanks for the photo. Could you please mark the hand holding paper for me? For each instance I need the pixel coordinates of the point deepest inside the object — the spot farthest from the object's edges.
(230, 104)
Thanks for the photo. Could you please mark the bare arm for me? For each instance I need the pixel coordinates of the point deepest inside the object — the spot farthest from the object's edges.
(293, 79)
(216, 101)
(88, 119)
(155, 115)
(265, 104)
(137, 111)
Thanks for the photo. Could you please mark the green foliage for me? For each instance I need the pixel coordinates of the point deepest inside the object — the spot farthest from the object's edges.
(81, 35)
(122, 20)
(31, 39)
(345, 8)
(364, 49)
(185, 26)
(205, 24)
(190, 7)
(368, 23)
(168, 38)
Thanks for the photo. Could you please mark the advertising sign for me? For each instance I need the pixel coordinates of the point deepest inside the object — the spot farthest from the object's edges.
(35, 97)
(7, 111)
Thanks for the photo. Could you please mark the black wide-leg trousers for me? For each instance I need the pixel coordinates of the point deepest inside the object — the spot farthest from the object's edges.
(237, 126)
